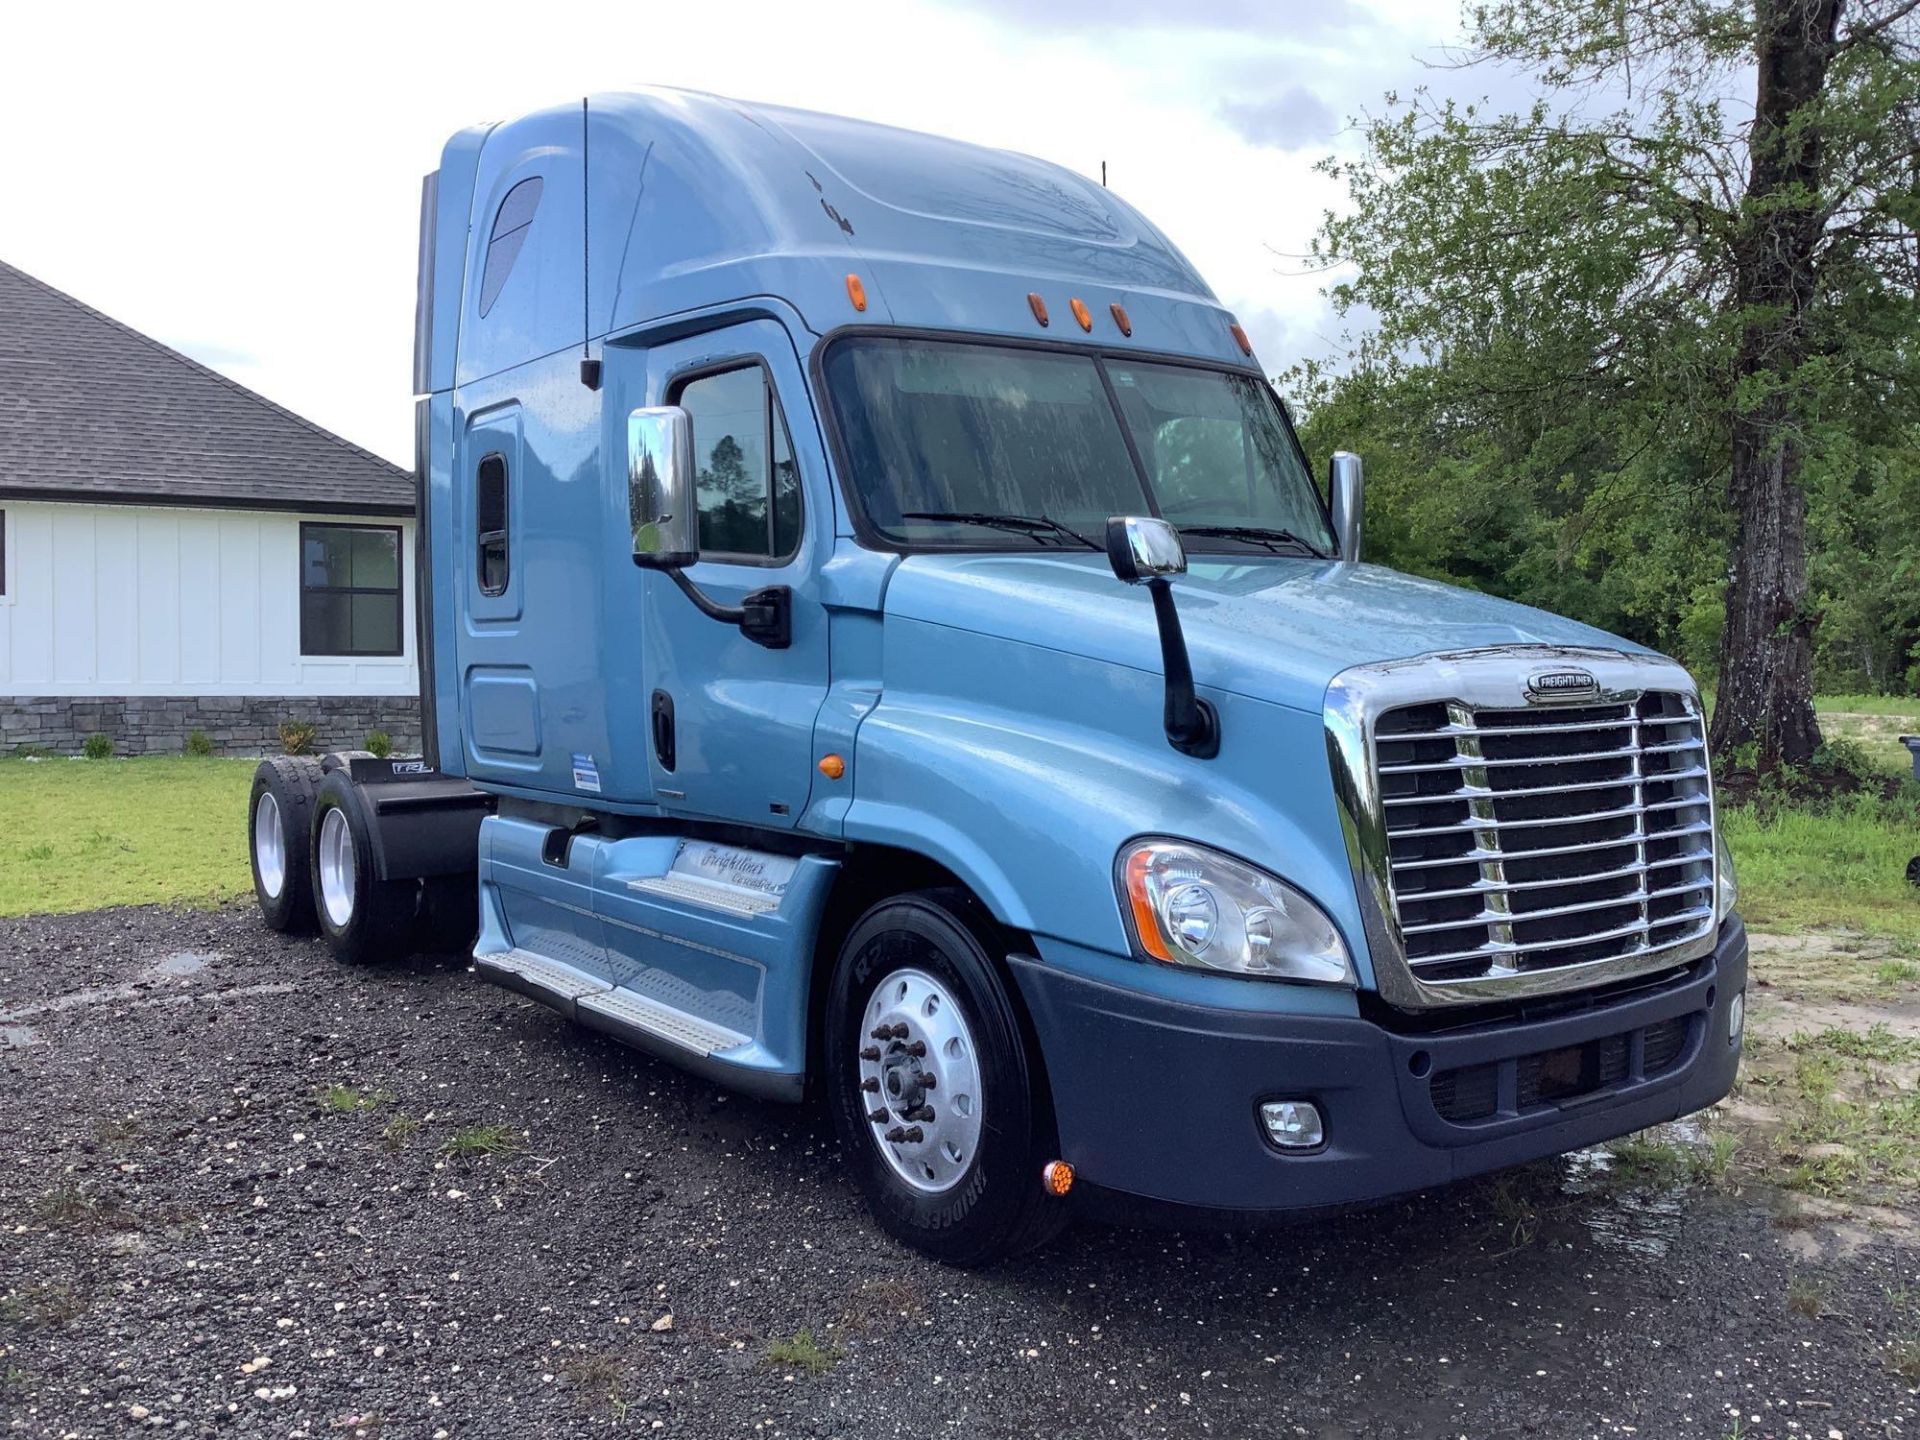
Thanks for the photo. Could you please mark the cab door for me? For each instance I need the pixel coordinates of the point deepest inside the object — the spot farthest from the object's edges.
(729, 721)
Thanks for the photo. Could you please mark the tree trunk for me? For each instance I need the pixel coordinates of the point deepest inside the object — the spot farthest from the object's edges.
(1766, 650)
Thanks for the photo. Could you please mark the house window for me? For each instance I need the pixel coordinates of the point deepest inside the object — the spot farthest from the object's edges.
(349, 590)
(490, 523)
(749, 488)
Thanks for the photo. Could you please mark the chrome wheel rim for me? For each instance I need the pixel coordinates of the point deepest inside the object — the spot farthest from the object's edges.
(269, 845)
(336, 868)
(920, 1080)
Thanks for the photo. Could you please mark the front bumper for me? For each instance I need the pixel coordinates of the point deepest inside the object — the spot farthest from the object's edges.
(1159, 1099)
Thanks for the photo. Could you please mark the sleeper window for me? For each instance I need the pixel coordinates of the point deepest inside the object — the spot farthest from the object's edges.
(748, 485)
(490, 524)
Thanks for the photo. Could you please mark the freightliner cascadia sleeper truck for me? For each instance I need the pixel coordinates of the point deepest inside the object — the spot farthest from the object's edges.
(881, 639)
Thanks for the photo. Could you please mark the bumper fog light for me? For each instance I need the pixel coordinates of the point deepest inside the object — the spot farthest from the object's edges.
(1293, 1124)
(1736, 1017)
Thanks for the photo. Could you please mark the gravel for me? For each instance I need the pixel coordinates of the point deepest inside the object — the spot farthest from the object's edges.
(498, 1225)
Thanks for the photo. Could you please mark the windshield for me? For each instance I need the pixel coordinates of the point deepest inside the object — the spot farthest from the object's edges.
(956, 444)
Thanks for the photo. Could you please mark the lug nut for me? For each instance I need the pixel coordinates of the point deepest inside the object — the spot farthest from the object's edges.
(929, 1081)
(921, 1112)
(878, 1117)
(918, 1048)
(914, 1135)
(870, 1084)
(896, 1135)
(872, 1052)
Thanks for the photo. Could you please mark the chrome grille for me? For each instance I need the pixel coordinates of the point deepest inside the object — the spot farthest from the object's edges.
(1537, 839)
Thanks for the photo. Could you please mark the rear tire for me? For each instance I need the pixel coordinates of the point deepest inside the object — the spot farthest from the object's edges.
(363, 917)
(968, 1191)
(279, 826)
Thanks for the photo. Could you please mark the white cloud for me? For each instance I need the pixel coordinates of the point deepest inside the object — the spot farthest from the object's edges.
(243, 181)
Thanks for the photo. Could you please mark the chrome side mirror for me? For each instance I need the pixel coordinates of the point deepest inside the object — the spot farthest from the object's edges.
(1141, 548)
(1346, 482)
(660, 487)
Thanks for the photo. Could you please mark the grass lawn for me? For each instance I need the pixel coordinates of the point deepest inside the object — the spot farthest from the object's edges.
(1842, 866)
(82, 834)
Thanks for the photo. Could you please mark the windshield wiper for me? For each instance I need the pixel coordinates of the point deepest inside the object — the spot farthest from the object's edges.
(1273, 537)
(1019, 524)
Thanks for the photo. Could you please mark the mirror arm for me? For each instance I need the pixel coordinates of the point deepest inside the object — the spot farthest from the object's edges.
(1193, 725)
(764, 616)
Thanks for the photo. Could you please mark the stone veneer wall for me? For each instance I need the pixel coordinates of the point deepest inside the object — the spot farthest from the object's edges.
(236, 724)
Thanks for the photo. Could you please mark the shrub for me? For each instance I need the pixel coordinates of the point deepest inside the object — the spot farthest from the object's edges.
(379, 744)
(199, 743)
(297, 736)
(97, 746)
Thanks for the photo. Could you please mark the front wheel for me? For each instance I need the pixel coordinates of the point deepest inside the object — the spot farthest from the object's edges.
(930, 1086)
(363, 917)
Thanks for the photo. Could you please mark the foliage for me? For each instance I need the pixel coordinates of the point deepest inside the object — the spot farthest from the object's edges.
(379, 744)
(1841, 864)
(199, 743)
(1549, 377)
(97, 746)
(297, 736)
(153, 830)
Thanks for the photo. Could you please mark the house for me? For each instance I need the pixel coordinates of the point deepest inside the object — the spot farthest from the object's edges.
(178, 553)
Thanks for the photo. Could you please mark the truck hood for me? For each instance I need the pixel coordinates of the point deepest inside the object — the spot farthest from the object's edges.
(1273, 629)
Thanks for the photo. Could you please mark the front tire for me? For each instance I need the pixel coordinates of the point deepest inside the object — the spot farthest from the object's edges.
(279, 824)
(930, 1086)
(362, 917)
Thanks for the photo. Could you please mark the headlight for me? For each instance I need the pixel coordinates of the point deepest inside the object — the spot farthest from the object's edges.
(1191, 906)
(1727, 891)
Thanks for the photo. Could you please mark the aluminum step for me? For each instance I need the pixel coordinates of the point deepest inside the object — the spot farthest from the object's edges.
(593, 1001)
(626, 1010)
(711, 894)
(541, 976)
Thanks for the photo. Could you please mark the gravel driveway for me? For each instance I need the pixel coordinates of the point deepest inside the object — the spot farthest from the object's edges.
(245, 1191)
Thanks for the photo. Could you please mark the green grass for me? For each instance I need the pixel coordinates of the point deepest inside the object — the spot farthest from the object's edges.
(801, 1351)
(478, 1140)
(1843, 865)
(346, 1100)
(1869, 704)
(82, 834)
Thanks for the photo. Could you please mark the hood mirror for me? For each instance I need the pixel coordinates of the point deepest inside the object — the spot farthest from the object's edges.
(1145, 550)
(660, 487)
(1140, 548)
(1346, 482)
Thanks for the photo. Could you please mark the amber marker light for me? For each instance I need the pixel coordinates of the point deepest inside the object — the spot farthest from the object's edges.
(1120, 318)
(1057, 1176)
(1240, 338)
(1080, 313)
(1145, 925)
(1038, 306)
(856, 292)
(832, 766)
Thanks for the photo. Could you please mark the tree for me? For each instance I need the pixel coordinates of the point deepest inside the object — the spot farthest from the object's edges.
(1645, 301)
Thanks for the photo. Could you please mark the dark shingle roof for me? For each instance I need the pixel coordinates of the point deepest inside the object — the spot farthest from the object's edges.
(93, 410)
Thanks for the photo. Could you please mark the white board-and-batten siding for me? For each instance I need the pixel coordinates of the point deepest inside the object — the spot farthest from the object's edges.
(166, 600)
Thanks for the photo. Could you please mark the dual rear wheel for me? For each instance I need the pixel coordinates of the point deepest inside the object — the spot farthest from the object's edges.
(314, 867)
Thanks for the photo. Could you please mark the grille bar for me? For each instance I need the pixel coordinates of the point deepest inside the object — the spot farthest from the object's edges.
(1559, 838)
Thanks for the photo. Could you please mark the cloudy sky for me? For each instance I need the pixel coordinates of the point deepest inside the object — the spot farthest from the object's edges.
(243, 182)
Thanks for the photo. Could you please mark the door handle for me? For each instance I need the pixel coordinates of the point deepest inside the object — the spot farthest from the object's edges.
(663, 748)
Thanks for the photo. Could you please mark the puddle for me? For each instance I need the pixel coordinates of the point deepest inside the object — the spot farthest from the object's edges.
(18, 1037)
(183, 962)
(1641, 1220)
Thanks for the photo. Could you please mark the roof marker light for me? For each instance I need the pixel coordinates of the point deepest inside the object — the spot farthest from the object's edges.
(1240, 337)
(856, 292)
(1120, 318)
(1038, 306)
(1079, 308)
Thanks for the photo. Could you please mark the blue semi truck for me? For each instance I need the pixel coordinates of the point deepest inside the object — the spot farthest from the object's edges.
(882, 640)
